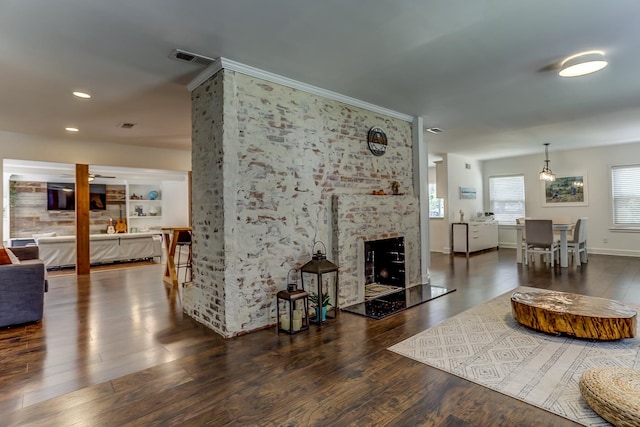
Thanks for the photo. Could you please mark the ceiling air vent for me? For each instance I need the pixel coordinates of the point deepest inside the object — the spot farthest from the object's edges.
(434, 130)
(194, 58)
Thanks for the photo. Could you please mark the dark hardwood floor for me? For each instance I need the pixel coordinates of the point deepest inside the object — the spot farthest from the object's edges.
(114, 349)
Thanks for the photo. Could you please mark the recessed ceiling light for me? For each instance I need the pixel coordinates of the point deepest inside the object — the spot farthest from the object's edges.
(83, 95)
(71, 129)
(582, 64)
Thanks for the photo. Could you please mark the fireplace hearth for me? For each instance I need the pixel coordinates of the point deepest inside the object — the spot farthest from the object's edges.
(384, 306)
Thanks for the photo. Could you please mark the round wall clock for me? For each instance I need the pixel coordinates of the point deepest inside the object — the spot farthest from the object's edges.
(377, 140)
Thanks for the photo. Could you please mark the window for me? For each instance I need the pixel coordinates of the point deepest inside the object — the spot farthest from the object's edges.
(436, 206)
(506, 194)
(625, 194)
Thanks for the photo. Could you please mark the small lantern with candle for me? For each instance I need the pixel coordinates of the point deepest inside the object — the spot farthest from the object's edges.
(296, 301)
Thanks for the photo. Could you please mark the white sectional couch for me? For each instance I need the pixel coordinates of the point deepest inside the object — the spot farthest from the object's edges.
(60, 251)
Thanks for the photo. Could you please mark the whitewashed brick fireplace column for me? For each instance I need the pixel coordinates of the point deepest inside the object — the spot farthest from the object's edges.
(266, 160)
(359, 218)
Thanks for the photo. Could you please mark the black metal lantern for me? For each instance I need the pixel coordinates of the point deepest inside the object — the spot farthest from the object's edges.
(319, 266)
(295, 316)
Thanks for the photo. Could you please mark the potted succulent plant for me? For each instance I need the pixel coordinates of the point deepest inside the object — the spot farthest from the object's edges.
(321, 306)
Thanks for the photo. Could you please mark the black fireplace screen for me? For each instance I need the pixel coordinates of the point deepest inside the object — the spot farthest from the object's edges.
(384, 262)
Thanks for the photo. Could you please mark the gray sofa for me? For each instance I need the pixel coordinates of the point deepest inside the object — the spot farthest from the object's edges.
(22, 288)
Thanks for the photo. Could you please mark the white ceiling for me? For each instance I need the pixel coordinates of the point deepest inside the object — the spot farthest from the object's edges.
(481, 70)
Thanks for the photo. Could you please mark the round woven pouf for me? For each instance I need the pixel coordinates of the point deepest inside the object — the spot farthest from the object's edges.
(613, 393)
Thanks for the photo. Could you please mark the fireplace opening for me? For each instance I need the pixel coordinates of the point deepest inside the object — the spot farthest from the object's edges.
(384, 266)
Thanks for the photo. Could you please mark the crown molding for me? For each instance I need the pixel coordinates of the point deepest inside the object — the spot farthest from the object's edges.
(227, 64)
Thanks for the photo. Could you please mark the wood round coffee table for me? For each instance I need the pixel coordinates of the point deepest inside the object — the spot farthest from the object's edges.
(572, 314)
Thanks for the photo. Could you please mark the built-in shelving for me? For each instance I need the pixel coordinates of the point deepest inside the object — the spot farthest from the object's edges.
(144, 207)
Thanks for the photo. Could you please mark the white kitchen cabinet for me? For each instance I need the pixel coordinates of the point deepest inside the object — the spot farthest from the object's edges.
(473, 236)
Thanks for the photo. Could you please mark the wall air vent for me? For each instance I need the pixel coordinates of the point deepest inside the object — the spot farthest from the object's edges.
(194, 58)
(434, 130)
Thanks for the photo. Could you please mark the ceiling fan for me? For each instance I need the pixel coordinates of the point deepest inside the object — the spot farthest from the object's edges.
(92, 176)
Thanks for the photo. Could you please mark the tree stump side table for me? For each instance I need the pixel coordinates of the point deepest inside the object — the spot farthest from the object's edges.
(572, 314)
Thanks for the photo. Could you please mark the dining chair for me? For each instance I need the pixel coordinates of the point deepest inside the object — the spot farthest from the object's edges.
(523, 242)
(578, 244)
(540, 240)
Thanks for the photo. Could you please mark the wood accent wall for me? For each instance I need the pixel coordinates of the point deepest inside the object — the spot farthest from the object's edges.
(28, 214)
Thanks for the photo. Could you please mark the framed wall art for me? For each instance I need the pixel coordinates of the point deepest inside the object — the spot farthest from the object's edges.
(566, 190)
(467, 193)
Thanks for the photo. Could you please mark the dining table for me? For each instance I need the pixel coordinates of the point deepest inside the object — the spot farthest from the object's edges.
(564, 242)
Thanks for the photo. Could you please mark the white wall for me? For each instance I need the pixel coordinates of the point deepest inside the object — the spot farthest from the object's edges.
(594, 163)
(437, 226)
(74, 150)
(460, 176)
(451, 174)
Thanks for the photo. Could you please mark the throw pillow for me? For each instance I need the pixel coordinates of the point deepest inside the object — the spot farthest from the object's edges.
(14, 259)
(4, 258)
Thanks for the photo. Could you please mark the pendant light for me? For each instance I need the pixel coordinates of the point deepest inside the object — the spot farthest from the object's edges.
(545, 173)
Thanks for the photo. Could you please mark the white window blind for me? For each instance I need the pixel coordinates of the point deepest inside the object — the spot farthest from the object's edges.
(506, 194)
(625, 191)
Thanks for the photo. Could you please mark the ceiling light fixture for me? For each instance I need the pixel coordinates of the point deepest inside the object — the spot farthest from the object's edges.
(583, 63)
(545, 173)
(194, 58)
(434, 130)
(70, 129)
(82, 95)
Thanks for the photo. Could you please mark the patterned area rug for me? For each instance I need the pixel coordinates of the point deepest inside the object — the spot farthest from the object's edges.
(487, 346)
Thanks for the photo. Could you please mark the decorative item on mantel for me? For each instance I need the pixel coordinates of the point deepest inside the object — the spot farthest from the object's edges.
(319, 266)
(296, 315)
(395, 187)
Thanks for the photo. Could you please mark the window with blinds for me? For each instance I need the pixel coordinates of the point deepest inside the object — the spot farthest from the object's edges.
(506, 195)
(625, 194)
(436, 205)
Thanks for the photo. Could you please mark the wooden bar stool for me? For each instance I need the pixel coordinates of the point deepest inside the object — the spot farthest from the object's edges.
(184, 240)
